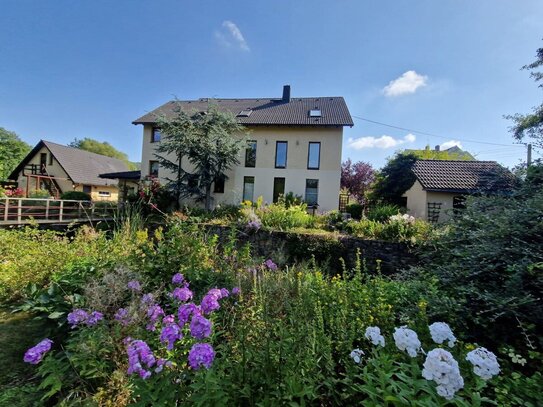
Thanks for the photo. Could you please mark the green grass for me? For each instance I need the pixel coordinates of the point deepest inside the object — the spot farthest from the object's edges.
(18, 332)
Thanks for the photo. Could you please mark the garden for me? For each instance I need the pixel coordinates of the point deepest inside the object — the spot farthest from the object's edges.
(165, 313)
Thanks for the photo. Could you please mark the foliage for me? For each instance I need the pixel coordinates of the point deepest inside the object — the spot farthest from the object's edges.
(14, 193)
(39, 193)
(12, 152)
(357, 179)
(382, 212)
(76, 196)
(356, 210)
(453, 153)
(530, 125)
(211, 142)
(102, 148)
(400, 230)
(394, 179)
(490, 262)
(279, 216)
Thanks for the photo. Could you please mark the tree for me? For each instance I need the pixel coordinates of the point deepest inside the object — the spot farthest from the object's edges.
(12, 152)
(394, 179)
(210, 142)
(102, 148)
(530, 125)
(453, 153)
(357, 178)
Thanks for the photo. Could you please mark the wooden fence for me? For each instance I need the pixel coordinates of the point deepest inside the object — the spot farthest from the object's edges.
(20, 211)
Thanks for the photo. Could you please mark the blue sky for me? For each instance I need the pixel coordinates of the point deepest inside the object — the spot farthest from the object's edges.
(450, 67)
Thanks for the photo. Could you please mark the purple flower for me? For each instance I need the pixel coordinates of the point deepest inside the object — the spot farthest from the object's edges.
(185, 311)
(134, 285)
(147, 299)
(160, 363)
(270, 265)
(154, 313)
(209, 304)
(235, 291)
(254, 225)
(178, 279)
(77, 317)
(139, 356)
(201, 354)
(224, 293)
(182, 294)
(200, 327)
(122, 316)
(94, 318)
(35, 354)
(170, 333)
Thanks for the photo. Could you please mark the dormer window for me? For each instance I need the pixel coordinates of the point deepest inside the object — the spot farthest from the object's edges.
(315, 113)
(244, 113)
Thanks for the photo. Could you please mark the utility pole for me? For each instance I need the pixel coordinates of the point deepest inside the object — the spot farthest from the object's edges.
(529, 158)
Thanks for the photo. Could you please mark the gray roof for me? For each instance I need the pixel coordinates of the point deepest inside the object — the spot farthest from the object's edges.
(266, 111)
(463, 176)
(83, 167)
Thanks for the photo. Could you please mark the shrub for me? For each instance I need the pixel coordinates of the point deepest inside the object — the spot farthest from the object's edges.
(39, 193)
(356, 210)
(278, 216)
(382, 212)
(76, 196)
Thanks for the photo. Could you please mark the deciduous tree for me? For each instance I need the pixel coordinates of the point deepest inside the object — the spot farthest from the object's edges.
(357, 178)
(102, 148)
(12, 151)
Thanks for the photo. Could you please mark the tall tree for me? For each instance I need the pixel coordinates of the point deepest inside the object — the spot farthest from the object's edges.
(357, 178)
(394, 179)
(530, 125)
(12, 151)
(210, 142)
(102, 148)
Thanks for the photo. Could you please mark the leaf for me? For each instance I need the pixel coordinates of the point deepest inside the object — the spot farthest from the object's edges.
(55, 315)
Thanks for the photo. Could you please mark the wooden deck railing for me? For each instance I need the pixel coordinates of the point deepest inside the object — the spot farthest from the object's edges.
(19, 211)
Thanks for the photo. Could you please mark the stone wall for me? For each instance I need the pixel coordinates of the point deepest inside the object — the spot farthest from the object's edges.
(287, 246)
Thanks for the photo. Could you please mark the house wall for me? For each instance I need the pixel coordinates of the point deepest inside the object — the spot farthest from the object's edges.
(62, 179)
(295, 173)
(418, 199)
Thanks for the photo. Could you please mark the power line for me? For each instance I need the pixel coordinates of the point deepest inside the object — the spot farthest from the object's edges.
(434, 135)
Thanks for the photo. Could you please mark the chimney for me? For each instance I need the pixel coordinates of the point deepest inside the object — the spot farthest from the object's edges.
(286, 93)
(437, 147)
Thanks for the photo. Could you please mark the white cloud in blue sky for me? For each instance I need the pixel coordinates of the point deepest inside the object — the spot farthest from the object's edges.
(230, 36)
(451, 143)
(379, 142)
(409, 82)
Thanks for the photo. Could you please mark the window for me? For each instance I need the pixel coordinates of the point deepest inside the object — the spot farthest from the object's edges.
(248, 188)
(459, 202)
(153, 168)
(43, 163)
(244, 113)
(87, 189)
(311, 191)
(314, 156)
(155, 137)
(250, 154)
(278, 188)
(315, 113)
(219, 185)
(50, 159)
(104, 193)
(281, 154)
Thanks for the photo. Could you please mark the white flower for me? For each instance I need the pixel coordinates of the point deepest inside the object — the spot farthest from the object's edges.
(406, 339)
(402, 218)
(441, 332)
(373, 334)
(356, 354)
(485, 364)
(441, 367)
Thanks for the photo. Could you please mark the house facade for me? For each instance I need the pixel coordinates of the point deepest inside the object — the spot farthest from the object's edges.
(441, 186)
(294, 145)
(58, 169)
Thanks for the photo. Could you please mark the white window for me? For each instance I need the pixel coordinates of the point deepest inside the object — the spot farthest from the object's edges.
(311, 191)
(104, 193)
(315, 113)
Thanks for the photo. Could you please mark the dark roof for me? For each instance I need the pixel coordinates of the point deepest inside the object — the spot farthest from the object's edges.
(334, 111)
(83, 167)
(135, 175)
(463, 176)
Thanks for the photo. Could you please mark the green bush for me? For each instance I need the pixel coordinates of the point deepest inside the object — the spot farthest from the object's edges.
(381, 213)
(39, 193)
(278, 216)
(76, 196)
(356, 210)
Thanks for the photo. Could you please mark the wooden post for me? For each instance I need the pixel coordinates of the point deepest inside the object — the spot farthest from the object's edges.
(6, 210)
(60, 213)
(47, 210)
(19, 210)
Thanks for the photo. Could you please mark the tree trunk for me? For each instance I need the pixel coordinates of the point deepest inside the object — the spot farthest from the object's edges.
(208, 198)
(178, 189)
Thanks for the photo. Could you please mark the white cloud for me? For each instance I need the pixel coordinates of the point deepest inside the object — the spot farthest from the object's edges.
(450, 143)
(408, 83)
(230, 36)
(379, 142)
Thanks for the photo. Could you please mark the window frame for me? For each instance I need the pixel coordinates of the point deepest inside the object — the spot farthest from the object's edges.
(245, 182)
(275, 197)
(151, 162)
(316, 203)
(104, 193)
(153, 139)
(318, 156)
(50, 159)
(249, 149)
(219, 182)
(286, 153)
